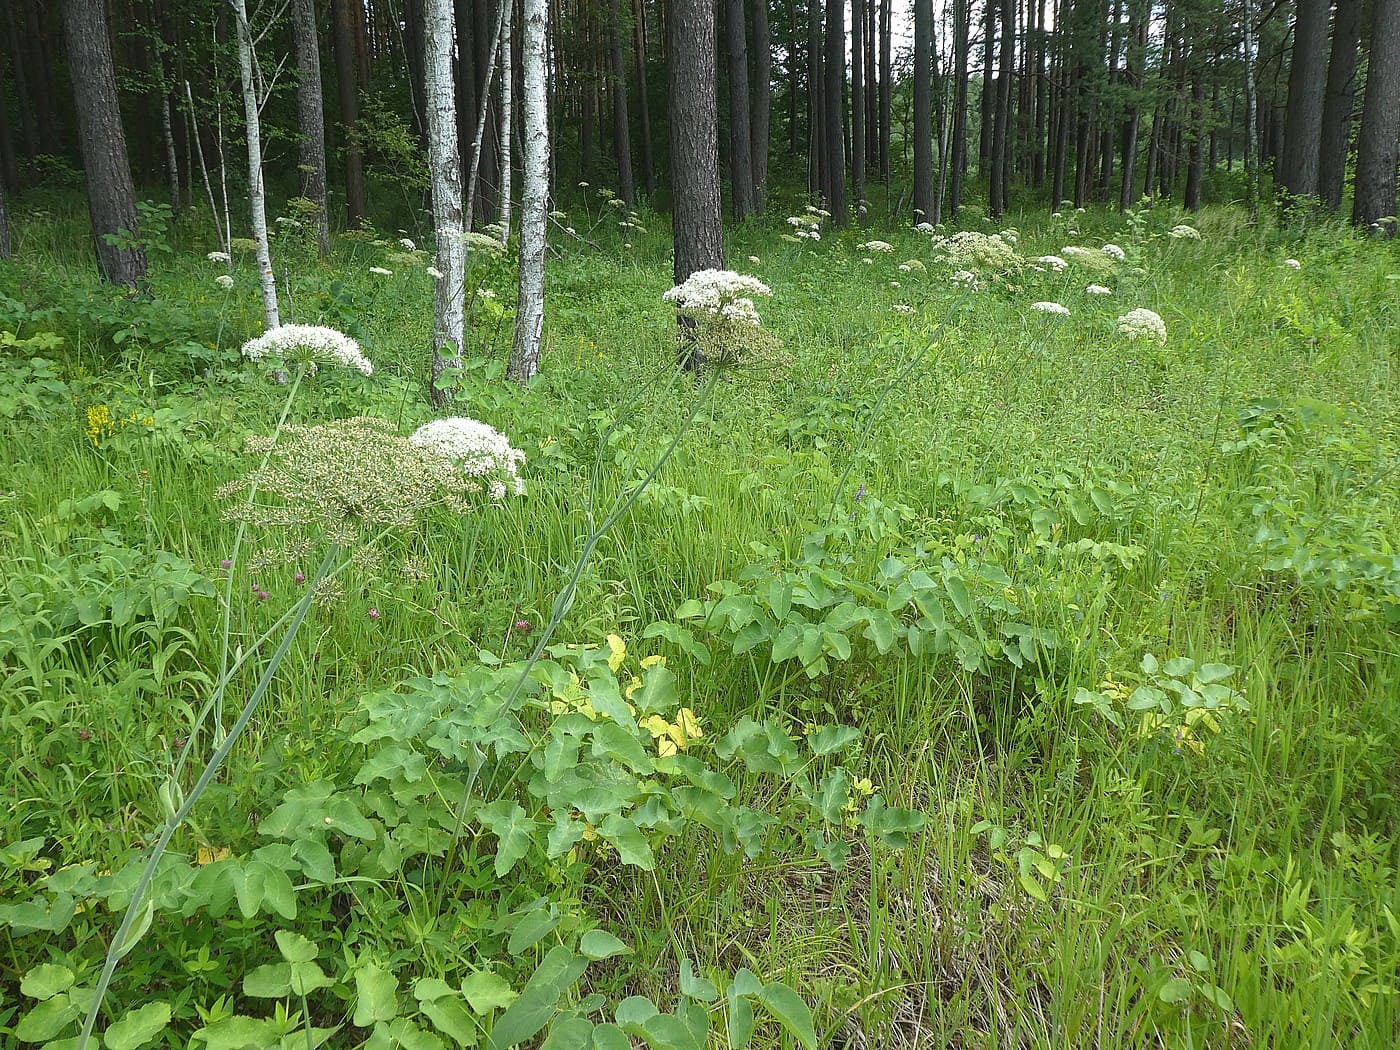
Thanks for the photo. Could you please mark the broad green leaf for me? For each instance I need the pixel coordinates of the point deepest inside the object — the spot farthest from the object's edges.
(571, 1033)
(46, 981)
(450, 1017)
(610, 1037)
(272, 981)
(531, 930)
(376, 995)
(1180, 666)
(1209, 673)
(1031, 885)
(739, 1022)
(46, 1020)
(1175, 990)
(294, 947)
(790, 1011)
(632, 846)
(829, 739)
(486, 991)
(513, 829)
(599, 944)
(138, 1027)
(745, 982)
(525, 1017)
(696, 987)
(138, 928)
(634, 1011)
(402, 1034)
(957, 591)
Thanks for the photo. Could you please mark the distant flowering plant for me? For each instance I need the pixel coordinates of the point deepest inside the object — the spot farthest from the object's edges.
(981, 252)
(309, 345)
(883, 247)
(381, 271)
(407, 244)
(219, 257)
(1183, 232)
(1051, 308)
(478, 450)
(725, 325)
(1143, 323)
(224, 281)
(1097, 289)
(1114, 252)
(1056, 264)
(1293, 264)
(965, 278)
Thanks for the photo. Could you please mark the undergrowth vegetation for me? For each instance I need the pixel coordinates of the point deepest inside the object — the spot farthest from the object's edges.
(957, 671)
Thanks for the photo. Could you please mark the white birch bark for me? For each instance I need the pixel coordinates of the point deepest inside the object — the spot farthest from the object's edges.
(257, 196)
(445, 163)
(507, 86)
(534, 119)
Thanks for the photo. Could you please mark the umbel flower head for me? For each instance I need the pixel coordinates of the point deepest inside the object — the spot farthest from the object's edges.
(343, 479)
(1143, 323)
(1051, 308)
(725, 323)
(308, 344)
(476, 450)
(979, 252)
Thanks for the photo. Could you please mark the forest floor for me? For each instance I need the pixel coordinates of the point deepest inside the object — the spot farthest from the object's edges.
(1023, 683)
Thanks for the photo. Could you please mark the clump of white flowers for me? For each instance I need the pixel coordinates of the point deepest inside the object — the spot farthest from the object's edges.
(224, 281)
(965, 278)
(876, 246)
(725, 323)
(903, 308)
(1183, 232)
(807, 227)
(924, 227)
(484, 242)
(1097, 289)
(309, 345)
(1051, 308)
(434, 273)
(1114, 252)
(219, 257)
(381, 271)
(478, 450)
(408, 245)
(1293, 264)
(1056, 264)
(912, 266)
(969, 250)
(1143, 323)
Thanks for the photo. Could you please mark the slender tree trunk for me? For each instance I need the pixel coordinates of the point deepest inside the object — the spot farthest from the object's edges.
(1337, 103)
(507, 116)
(740, 120)
(4, 224)
(622, 125)
(445, 168)
(479, 142)
(22, 95)
(257, 197)
(311, 117)
(349, 90)
(923, 111)
(816, 93)
(1136, 60)
(762, 102)
(1307, 81)
(1042, 98)
(695, 214)
(1251, 105)
(834, 110)
(484, 186)
(859, 149)
(1195, 129)
(886, 85)
(1001, 137)
(1376, 145)
(962, 10)
(639, 55)
(111, 196)
(529, 313)
(984, 146)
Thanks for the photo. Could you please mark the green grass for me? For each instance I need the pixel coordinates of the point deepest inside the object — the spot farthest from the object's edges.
(1231, 497)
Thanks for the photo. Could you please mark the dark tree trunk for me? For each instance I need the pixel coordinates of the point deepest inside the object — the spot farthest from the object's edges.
(816, 95)
(834, 110)
(9, 163)
(1195, 129)
(1042, 97)
(859, 149)
(413, 57)
(465, 78)
(695, 212)
(958, 160)
(1307, 81)
(639, 56)
(740, 119)
(4, 224)
(622, 125)
(111, 197)
(984, 146)
(923, 111)
(1063, 107)
(1376, 145)
(311, 117)
(762, 101)
(886, 85)
(488, 179)
(346, 65)
(1136, 61)
(1001, 132)
(43, 59)
(1337, 104)
(22, 95)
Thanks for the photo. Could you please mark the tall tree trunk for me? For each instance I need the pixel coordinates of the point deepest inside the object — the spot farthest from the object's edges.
(762, 102)
(481, 150)
(257, 197)
(1196, 132)
(311, 117)
(507, 116)
(347, 82)
(695, 213)
(1376, 145)
(984, 146)
(816, 94)
(1001, 137)
(1042, 98)
(622, 125)
(886, 85)
(859, 149)
(1136, 61)
(1251, 106)
(445, 168)
(740, 120)
(4, 224)
(111, 196)
(639, 55)
(1337, 103)
(923, 111)
(834, 110)
(1307, 81)
(962, 10)
(22, 95)
(534, 119)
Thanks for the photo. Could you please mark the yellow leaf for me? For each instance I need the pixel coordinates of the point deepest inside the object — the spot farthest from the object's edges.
(654, 660)
(619, 651)
(207, 855)
(688, 724)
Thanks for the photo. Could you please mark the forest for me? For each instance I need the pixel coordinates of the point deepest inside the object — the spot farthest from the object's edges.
(699, 524)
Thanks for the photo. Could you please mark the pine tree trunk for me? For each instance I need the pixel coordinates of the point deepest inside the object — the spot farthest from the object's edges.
(962, 10)
(507, 116)
(1196, 120)
(111, 196)
(4, 225)
(984, 145)
(1042, 98)
(1136, 61)
(762, 102)
(816, 93)
(481, 149)
(1307, 79)
(834, 110)
(311, 149)
(1001, 132)
(445, 168)
(695, 214)
(349, 90)
(740, 120)
(886, 85)
(257, 197)
(1337, 104)
(622, 128)
(534, 119)
(1251, 106)
(923, 111)
(859, 148)
(639, 56)
(1376, 145)
(22, 95)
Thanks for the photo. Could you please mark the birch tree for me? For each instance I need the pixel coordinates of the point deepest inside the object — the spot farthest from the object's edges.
(529, 311)
(507, 117)
(257, 195)
(445, 163)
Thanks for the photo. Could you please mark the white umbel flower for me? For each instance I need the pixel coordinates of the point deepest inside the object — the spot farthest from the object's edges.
(1143, 324)
(1293, 264)
(478, 449)
(310, 343)
(407, 244)
(1184, 233)
(381, 271)
(1114, 252)
(722, 293)
(876, 246)
(1097, 289)
(224, 281)
(219, 257)
(1057, 264)
(1051, 308)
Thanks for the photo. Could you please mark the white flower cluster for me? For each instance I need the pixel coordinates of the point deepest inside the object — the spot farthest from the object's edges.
(478, 450)
(924, 227)
(1097, 289)
(310, 343)
(1114, 252)
(224, 281)
(970, 250)
(381, 271)
(1143, 324)
(912, 266)
(483, 242)
(1184, 232)
(903, 308)
(966, 278)
(408, 244)
(1293, 264)
(876, 246)
(1071, 251)
(808, 227)
(1010, 235)
(720, 293)
(1056, 264)
(1051, 308)
(219, 257)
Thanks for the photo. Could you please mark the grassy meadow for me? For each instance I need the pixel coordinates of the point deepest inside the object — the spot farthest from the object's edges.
(1023, 684)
